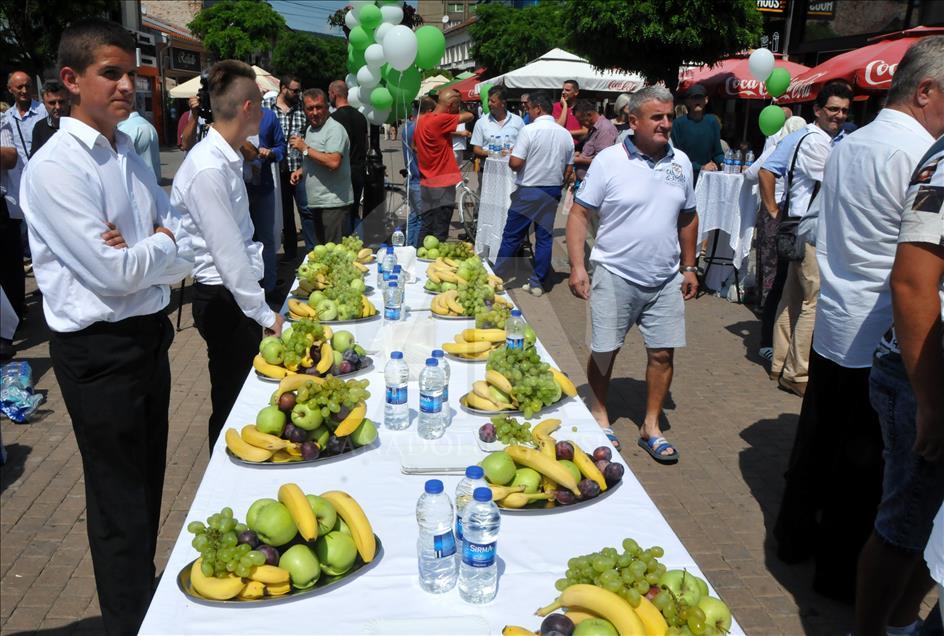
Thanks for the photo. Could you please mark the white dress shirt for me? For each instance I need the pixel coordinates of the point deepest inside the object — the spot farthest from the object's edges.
(16, 129)
(810, 159)
(860, 208)
(547, 150)
(210, 194)
(72, 187)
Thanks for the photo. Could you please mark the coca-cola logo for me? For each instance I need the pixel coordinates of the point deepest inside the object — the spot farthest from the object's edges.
(747, 87)
(879, 72)
(623, 85)
(801, 89)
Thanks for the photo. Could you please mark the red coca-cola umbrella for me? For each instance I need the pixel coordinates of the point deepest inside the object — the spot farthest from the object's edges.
(731, 78)
(868, 69)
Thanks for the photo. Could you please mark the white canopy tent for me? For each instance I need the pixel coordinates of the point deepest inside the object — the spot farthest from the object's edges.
(431, 83)
(551, 70)
(264, 79)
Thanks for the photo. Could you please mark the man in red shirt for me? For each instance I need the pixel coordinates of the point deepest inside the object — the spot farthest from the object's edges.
(438, 168)
(563, 112)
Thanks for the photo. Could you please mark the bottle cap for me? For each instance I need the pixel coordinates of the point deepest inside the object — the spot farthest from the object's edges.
(516, 313)
(397, 269)
(396, 355)
(434, 487)
(480, 494)
(438, 353)
(474, 472)
(432, 362)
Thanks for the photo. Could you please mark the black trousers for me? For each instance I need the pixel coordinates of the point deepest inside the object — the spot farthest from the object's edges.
(834, 478)
(232, 341)
(358, 178)
(115, 380)
(289, 229)
(12, 276)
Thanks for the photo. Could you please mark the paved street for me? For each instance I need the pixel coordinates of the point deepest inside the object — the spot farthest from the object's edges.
(732, 426)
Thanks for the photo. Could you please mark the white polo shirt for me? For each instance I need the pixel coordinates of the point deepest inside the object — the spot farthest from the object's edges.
(547, 150)
(488, 127)
(639, 201)
(860, 209)
(812, 152)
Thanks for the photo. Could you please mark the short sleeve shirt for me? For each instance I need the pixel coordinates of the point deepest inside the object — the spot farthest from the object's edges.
(547, 150)
(488, 127)
(328, 188)
(602, 135)
(433, 141)
(639, 201)
(571, 122)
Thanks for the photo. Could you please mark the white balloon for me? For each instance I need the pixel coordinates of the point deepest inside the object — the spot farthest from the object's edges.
(374, 56)
(381, 31)
(350, 80)
(354, 97)
(368, 78)
(392, 14)
(350, 19)
(377, 117)
(400, 47)
(357, 5)
(761, 64)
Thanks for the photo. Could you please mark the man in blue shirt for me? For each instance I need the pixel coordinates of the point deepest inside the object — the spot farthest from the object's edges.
(426, 105)
(698, 136)
(261, 190)
(144, 138)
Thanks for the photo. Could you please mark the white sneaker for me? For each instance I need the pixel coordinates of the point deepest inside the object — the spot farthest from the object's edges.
(535, 291)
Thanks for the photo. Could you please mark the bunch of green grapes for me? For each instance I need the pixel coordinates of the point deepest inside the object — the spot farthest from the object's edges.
(532, 383)
(508, 430)
(475, 294)
(630, 573)
(459, 250)
(334, 394)
(217, 544)
(347, 299)
(352, 243)
(303, 334)
(493, 317)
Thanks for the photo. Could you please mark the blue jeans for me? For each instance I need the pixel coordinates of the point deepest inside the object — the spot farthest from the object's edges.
(538, 205)
(414, 202)
(262, 213)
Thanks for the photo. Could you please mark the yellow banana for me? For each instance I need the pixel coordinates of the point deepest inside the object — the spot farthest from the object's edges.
(579, 614)
(499, 381)
(466, 347)
(602, 602)
(451, 298)
(292, 497)
(480, 388)
(476, 401)
(350, 423)
(252, 435)
(587, 466)
(327, 358)
(501, 301)
(300, 308)
(522, 499)
(252, 590)
(306, 285)
(353, 515)
(278, 589)
(483, 335)
(514, 630)
(360, 266)
(296, 381)
(451, 262)
(567, 387)
(365, 255)
(283, 457)
(328, 332)
(544, 465)
(500, 492)
(433, 275)
(268, 370)
(544, 429)
(651, 617)
(548, 448)
(295, 317)
(438, 306)
(294, 450)
(214, 588)
(245, 451)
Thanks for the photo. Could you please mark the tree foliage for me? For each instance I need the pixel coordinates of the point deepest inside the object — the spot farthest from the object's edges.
(656, 37)
(238, 28)
(32, 28)
(504, 38)
(411, 18)
(316, 61)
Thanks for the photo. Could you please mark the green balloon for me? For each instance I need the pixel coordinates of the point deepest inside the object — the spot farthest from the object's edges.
(400, 111)
(778, 82)
(483, 95)
(359, 38)
(370, 17)
(771, 119)
(407, 81)
(402, 96)
(380, 97)
(430, 46)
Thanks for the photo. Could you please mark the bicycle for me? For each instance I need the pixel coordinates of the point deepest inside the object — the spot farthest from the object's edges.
(468, 203)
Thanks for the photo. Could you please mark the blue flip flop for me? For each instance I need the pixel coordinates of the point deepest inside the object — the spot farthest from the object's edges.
(614, 440)
(655, 445)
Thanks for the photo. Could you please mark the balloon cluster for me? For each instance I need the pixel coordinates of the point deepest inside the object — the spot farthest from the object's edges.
(776, 80)
(384, 59)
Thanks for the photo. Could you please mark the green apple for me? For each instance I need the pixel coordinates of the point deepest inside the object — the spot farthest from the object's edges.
(306, 417)
(571, 468)
(342, 527)
(336, 552)
(286, 332)
(448, 286)
(342, 341)
(421, 252)
(358, 285)
(499, 468)
(683, 585)
(325, 513)
(331, 246)
(302, 565)
(430, 242)
(364, 434)
(315, 297)
(272, 352)
(433, 287)
(716, 612)
(319, 251)
(254, 509)
(320, 435)
(527, 477)
(595, 627)
(267, 340)
(327, 309)
(270, 420)
(338, 357)
(433, 253)
(274, 525)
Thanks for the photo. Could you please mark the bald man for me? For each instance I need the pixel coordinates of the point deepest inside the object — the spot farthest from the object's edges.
(437, 163)
(356, 126)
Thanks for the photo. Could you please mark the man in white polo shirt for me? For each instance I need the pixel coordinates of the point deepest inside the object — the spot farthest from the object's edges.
(642, 191)
(500, 124)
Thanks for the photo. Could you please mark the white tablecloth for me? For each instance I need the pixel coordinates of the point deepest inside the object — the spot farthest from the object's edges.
(498, 182)
(533, 549)
(727, 204)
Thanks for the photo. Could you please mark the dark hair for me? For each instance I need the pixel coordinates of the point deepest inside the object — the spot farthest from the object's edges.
(584, 106)
(542, 100)
(80, 40)
(222, 78)
(574, 82)
(836, 88)
(427, 104)
(52, 86)
(498, 92)
(315, 93)
(285, 80)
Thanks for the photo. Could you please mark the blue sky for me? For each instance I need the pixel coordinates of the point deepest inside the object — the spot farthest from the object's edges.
(309, 15)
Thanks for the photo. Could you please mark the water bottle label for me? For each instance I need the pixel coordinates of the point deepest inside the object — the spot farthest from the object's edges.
(514, 343)
(392, 313)
(444, 545)
(430, 403)
(478, 555)
(445, 395)
(396, 395)
(459, 529)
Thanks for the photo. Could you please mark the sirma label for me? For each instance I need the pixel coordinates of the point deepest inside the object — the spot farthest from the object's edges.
(514, 343)
(458, 528)
(478, 555)
(444, 544)
(392, 313)
(396, 395)
(430, 403)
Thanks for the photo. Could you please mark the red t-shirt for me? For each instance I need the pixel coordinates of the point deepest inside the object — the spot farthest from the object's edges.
(571, 122)
(433, 141)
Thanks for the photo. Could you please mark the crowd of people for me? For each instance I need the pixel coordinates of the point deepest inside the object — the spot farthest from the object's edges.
(850, 241)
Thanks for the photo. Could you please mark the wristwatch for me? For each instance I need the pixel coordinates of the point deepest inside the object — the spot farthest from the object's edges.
(689, 268)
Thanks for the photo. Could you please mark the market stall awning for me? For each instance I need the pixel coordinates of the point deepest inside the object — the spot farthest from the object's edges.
(264, 79)
(551, 70)
(868, 69)
(430, 83)
(731, 78)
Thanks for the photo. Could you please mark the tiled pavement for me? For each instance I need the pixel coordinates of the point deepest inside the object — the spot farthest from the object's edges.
(733, 428)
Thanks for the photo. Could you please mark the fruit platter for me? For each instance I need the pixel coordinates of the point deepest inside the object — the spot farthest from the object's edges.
(309, 419)
(432, 248)
(298, 545)
(444, 274)
(475, 345)
(517, 381)
(613, 592)
(535, 472)
(473, 294)
(310, 348)
(331, 284)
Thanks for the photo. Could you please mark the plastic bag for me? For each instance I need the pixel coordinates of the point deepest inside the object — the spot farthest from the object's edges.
(17, 399)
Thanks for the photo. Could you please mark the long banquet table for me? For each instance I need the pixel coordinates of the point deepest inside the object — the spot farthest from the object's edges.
(533, 549)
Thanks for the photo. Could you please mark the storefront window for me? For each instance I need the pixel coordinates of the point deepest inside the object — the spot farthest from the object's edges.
(840, 18)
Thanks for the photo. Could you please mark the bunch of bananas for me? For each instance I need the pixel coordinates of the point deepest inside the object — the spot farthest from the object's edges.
(326, 309)
(443, 275)
(447, 304)
(475, 344)
(496, 393)
(263, 580)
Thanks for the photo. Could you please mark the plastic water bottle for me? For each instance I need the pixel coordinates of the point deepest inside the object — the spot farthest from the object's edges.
(393, 300)
(399, 238)
(728, 161)
(506, 145)
(514, 330)
(430, 421)
(436, 545)
(444, 365)
(398, 276)
(478, 574)
(474, 478)
(381, 254)
(396, 409)
(748, 159)
(738, 162)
